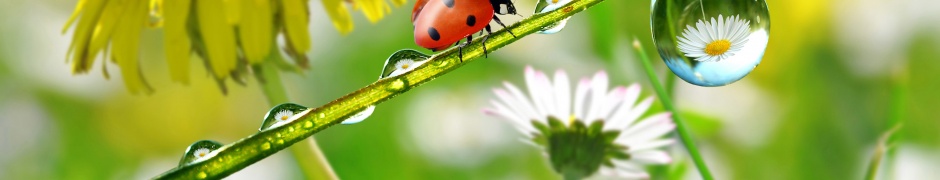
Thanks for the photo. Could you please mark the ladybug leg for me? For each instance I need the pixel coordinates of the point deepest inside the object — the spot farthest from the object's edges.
(462, 45)
(489, 31)
(501, 24)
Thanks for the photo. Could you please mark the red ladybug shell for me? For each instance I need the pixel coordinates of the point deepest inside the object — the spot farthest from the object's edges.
(441, 23)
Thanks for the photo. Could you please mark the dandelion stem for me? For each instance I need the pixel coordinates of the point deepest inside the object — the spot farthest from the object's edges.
(665, 98)
(238, 155)
(309, 157)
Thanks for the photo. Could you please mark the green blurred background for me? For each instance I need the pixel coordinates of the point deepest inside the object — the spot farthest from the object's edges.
(835, 76)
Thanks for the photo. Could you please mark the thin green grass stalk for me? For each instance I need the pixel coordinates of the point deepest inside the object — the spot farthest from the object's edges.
(238, 155)
(665, 98)
(881, 149)
(310, 159)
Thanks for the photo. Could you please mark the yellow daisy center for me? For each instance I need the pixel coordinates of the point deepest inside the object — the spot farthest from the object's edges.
(404, 66)
(717, 47)
(202, 154)
(284, 117)
(554, 1)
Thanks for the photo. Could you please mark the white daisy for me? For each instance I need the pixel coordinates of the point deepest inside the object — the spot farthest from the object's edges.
(714, 40)
(554, 4)
(201, 153)
(283, 116)
(405, 65)
(599, 127)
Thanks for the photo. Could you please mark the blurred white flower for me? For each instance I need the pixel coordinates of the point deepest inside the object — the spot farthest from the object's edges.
(875, 35)
(596, 134)
(444, 127)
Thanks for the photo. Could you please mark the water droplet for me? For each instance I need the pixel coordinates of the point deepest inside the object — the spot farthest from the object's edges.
(401, 62)
(198, 151)
(265, 146)
(321, 115)
(441, 63)
(708, 58)
(201, 175)
(397, 85)
(280, 141)
(280, 115)
(308, 124)
(544, 6)
(359, 117)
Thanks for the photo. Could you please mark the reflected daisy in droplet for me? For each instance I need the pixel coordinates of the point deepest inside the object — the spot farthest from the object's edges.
(597, 134)
(714, 40)
(554, 4)
(405, 65)
(201, 153)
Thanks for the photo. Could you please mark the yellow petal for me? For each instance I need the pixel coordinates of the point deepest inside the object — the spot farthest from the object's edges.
(78, 10)
(295, 19)
(338, 13)
(374, 10)
(91, 11)
(176, 40)
(217, 36)
(399, 2)
(232, 11)
(255, 30)
(156, 13)
(102, 34)
(126, 45)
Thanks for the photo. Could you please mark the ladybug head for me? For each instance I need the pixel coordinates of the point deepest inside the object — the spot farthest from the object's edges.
(497, 7)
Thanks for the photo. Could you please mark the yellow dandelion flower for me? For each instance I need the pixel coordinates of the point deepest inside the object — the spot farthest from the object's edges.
(230, 36)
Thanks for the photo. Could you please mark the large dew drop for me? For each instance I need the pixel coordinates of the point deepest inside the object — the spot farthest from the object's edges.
(400, 62)
(198, 151)
(710, 42)
(544, 6)
(280, 115)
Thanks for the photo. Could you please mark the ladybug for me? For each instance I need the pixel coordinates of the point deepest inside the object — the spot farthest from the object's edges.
(440, 23)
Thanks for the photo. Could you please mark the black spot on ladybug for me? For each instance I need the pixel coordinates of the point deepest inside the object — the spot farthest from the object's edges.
(449, 3)
(433, 33)
(471, 20)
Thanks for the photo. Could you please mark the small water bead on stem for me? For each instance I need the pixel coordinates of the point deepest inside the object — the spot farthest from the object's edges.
(548, 5)
(198, 151)
(710, 43)
(398, 63)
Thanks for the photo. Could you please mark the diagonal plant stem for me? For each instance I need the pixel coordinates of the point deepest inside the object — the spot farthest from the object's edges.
(308, 155)
(238, 155)
(665, 98)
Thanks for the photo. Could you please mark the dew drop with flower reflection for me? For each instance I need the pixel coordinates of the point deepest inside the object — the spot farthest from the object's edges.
(710, 42)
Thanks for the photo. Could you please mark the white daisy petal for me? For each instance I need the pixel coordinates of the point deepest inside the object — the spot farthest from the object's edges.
(522, 124)
(598, 93)
(630, 169)
(523, 101)
(658, 129)
(562, 94)
(547, 93)
(519, 108)
(611, 101)
(631, 115)
(651, 157)
(535, 91)
(649, 145)
(580, 94)
(648, 122)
